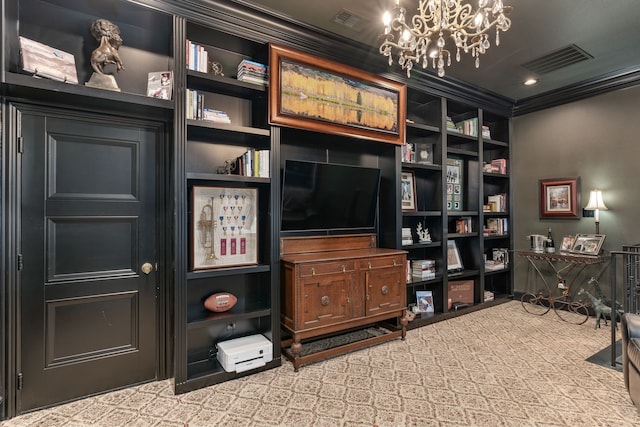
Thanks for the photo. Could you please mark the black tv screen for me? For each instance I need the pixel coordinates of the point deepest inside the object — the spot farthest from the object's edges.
(326, 196)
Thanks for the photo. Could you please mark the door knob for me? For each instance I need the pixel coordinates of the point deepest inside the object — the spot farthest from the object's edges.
(146, 268)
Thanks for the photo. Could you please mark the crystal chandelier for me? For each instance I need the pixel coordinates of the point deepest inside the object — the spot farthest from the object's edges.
(436, 22)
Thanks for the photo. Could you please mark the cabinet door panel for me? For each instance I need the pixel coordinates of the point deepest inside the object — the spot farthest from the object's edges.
(385, 290)
(324, 300)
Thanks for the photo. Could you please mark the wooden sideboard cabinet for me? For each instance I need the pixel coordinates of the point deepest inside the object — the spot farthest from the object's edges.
(339, 284)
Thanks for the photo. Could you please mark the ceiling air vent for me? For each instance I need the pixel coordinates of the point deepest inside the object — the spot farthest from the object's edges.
(557, 59)
(350, 20)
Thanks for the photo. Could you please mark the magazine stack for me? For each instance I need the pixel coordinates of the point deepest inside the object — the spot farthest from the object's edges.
(252, 72)
(423, 269)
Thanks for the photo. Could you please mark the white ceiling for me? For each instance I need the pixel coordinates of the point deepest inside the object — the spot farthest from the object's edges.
(609, 30)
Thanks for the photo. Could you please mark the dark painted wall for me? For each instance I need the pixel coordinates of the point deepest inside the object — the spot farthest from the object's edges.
(597, 139)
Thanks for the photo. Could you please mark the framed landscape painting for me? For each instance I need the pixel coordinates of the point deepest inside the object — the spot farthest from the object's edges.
(560, 198)
(313, 93)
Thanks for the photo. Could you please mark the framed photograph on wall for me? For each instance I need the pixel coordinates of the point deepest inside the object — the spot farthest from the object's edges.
(313, 93)
(588, 244)
(408, 191)
(223, 227)
(454, 262)
(560, 198)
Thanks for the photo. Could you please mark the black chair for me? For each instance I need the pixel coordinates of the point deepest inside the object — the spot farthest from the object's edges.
(631, 355)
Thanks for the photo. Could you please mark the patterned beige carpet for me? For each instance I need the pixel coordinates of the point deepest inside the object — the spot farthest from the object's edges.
(495, 367)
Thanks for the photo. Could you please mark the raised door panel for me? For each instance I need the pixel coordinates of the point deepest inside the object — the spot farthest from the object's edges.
(385, 288)
(324, 300)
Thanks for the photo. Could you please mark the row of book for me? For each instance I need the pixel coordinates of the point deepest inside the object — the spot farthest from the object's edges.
(464, 225)
(197, 57)
(252, 72)
(468, 127)
(253, 163)
(496, 203)
(496, 227)
(496, 166)
(197, 111)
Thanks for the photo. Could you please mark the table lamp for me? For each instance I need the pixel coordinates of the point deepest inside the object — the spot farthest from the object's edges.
(596, 204)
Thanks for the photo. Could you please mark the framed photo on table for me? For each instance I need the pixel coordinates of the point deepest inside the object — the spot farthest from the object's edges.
(223, 227)
(560, 198)
(408, 191)
(588, 244)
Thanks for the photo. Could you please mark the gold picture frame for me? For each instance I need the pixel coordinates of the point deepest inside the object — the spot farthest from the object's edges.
(223, 227)
(309, 92)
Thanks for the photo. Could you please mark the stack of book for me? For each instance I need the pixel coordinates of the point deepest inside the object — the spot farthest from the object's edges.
(496, 166)
(252, 72)
(215, 116)
(464, 226)
(407, 238)
(423, 269)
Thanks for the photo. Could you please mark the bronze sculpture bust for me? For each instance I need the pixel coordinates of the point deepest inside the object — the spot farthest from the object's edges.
(108, 35)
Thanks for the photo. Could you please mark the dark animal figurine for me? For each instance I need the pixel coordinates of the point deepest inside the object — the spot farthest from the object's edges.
(108, 35)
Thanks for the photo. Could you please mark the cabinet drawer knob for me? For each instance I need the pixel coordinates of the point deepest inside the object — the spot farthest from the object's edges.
(394, 263)
(344, 269)
(369, 265)
(385, 290)
(313, 271)
(324, 300)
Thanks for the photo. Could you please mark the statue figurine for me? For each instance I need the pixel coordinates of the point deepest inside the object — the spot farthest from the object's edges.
(423, 234)
(108, 35)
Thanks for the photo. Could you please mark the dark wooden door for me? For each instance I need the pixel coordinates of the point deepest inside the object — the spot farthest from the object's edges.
(88, 224)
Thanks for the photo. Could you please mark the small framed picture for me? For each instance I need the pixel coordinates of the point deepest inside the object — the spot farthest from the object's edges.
(588, 244)
(454, 262)
(408, 191)
(160, 84)
(424, 301)
(567, 243)
(560, 198)
(424, 153)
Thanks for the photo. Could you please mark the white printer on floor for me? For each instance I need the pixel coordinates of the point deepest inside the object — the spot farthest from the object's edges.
(242, 354)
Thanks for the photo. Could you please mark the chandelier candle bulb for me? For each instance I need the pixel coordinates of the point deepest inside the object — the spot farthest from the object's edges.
(436, 22)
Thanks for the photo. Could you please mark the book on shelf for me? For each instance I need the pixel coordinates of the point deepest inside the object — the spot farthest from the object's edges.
(496, 227)
(451, 125)
(498, 166)
(497, 202)
(197, 57)
(252, 72)
(464, 225)
(468, 127)
(486, 132)
(253, 163)
(216, 116)
(423, 269)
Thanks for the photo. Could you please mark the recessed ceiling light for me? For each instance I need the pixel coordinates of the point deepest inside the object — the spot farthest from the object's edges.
(530, 82)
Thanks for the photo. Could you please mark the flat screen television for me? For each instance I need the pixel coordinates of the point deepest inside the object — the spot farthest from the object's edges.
(327, 196)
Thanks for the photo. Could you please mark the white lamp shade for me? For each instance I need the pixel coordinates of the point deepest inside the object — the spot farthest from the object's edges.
(595, 201)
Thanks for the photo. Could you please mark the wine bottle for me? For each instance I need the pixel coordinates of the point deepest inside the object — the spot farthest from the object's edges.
(549, 245)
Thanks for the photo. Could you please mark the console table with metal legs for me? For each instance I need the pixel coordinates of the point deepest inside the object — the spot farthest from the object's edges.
(566, 269)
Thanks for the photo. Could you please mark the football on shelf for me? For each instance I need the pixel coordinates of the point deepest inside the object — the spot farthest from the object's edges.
(219, 302)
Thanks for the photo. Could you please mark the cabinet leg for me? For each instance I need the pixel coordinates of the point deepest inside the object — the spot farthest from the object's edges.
(296, 348)
(403, 322)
